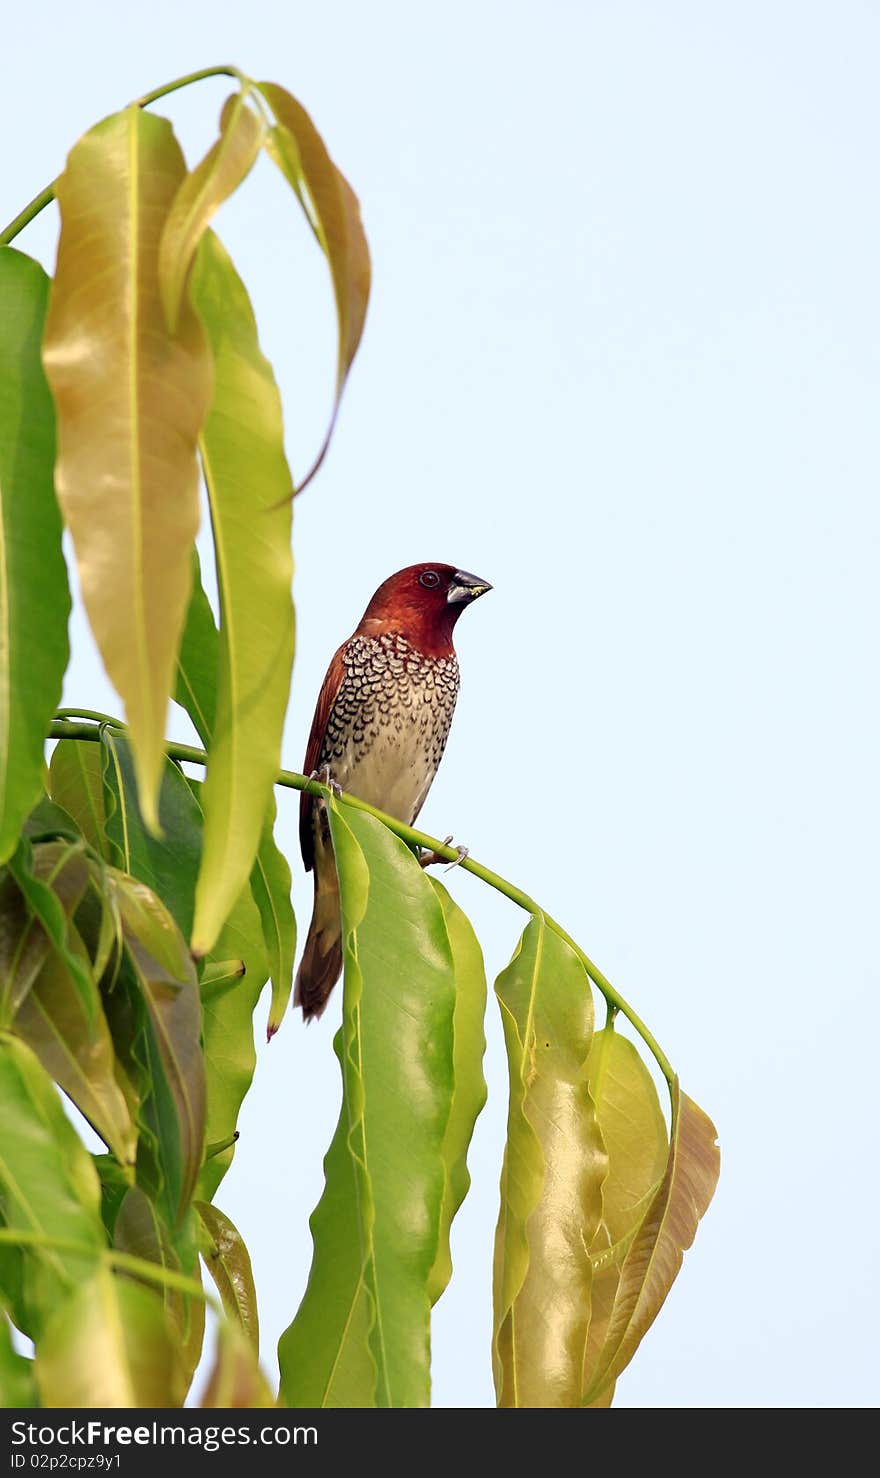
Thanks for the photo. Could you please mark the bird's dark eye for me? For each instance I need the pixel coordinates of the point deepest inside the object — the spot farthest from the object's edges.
(429, 578)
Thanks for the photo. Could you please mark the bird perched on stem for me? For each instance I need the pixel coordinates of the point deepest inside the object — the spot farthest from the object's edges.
(379, 730)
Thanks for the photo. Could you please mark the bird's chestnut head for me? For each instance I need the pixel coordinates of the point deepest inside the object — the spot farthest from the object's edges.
(423, 603)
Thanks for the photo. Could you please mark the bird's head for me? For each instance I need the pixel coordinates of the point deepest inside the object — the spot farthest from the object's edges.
(423, 602)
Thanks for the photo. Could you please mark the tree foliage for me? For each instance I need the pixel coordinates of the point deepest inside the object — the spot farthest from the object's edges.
(143, 909)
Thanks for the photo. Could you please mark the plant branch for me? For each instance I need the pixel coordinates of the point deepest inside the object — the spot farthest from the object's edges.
(68, 729)
(46, 196)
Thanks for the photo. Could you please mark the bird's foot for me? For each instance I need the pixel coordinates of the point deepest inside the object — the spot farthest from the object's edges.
(430, 859)
(327, 779)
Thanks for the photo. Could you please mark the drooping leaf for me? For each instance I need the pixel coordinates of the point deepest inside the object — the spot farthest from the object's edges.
(236, 1380)
(48, 822)
(202, 193)
(551, 1182)
(165, 980)
(53, 878)
(109, 1344)
(198, 661)
(228, 1261)
(667, 1230)
(115, 1186)
(633, 1129)
(247, 478)
(130, 400)
(74, 1045)
(24, 945)
(197, 675)
(634, 1133)
(232, 981)
(361, 1336)
(168, 863)
(334, 214)
(17, 1387)
(34, 598)
(139, 1230)
(76, 783)
(48, 1188)
(270, 885)
(469, 1090)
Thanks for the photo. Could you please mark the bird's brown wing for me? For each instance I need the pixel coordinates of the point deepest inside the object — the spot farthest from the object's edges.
(326, 698)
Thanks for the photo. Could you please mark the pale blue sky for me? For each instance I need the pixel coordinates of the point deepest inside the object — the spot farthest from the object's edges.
(623, 359)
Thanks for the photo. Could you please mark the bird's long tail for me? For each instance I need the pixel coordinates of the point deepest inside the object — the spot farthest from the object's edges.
(321, 964)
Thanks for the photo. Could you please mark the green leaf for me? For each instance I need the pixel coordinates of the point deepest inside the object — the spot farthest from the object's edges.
(53, 878)
(202, 193)
(130, 399)
(48, 1190)
(634, 1133)
(236, 1380)
(48, 822)
(232, 981)
(74, 1045)
(248, 484)
(334, 214)
(362, 1333)
(34, 598)
(115, 1186)
(197, 674)
(110, 1345)
(551, 1182)
(76, 783)
(165, 979)
(469, 1091)
(227, 1260)
(270, 885)
(198, 661)
(168, 863)
(17, 1388)
(667, 1230)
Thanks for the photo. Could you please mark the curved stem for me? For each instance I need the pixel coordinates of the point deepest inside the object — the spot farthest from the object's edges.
(46, 196)
(92, 713)
(66, 729)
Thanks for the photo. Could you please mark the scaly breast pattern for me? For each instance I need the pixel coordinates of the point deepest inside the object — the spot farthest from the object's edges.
(389, 724)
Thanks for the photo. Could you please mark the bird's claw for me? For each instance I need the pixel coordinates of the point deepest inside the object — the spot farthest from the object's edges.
(429, 859)
(327, 779)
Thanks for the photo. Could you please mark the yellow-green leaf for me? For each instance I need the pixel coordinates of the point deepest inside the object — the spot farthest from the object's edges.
(634, 1132)
(202, 193)
(228, 1261)
(34, 599)
(469, 1089)
(74, 1045)
(551, 1182)
(110, 1344)
(666, 1231)
(633, 1128)
(334, 214)
(236, 1380)
(248, 480)
(130, 400)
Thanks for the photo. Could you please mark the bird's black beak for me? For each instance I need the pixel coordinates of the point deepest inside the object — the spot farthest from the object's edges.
(464, 587)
